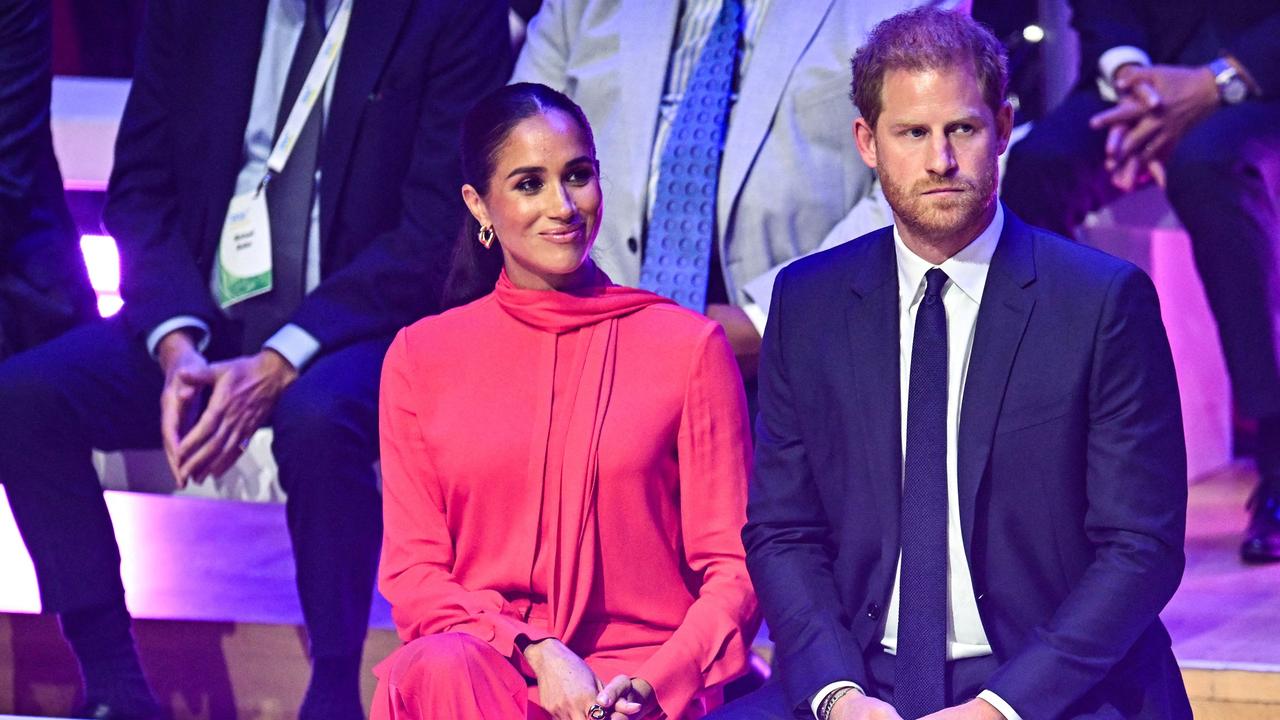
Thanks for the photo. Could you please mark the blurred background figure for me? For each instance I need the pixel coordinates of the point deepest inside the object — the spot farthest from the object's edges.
(44, 289)
(724, 131)
(361, 216)
(1186, 94)
(96, 38)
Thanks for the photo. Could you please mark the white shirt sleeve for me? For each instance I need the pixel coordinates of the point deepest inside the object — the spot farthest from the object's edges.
(999, 704)
(294, 344)
(818, 697)
(1114, 59)
(756, 316)
(180, 322)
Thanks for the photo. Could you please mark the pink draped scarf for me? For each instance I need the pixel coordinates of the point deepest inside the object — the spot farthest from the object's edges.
(570, 499)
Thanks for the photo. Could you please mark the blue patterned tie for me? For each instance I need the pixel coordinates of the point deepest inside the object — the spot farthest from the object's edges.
(677, 254)
(920, 667)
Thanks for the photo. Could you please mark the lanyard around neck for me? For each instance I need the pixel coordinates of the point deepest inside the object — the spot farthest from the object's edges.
(311, 90)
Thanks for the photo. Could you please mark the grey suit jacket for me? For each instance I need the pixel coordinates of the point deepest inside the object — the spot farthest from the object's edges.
(790, 171)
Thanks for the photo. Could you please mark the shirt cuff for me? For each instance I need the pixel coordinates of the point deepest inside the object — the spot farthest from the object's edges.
(180, 322)
(999, 704)
(1114, 59)
(827, 690)
(294, 344)
(756, 316)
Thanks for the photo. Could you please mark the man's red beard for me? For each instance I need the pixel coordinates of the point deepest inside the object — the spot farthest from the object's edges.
(943, 213)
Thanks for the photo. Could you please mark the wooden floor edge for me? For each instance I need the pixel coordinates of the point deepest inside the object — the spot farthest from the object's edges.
(1227, 666)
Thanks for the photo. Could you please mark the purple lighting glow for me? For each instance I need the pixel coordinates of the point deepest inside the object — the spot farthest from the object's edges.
(103, 261)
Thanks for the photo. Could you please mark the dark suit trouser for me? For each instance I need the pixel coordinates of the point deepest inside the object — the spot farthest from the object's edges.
(1224, 185)
(96, 387)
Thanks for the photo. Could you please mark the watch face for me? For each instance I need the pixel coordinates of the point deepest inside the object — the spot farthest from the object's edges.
(1234, 91)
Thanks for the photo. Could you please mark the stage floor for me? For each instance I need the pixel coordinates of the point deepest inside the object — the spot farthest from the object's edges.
(223, 561)
(1226, 614)
(186, 559)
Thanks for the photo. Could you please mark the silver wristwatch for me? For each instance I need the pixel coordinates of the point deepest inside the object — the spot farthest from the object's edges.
(1231, 87)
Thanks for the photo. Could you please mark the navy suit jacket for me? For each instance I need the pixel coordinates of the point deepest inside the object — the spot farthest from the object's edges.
(44, 289)
(389, 197)
(1072, 475)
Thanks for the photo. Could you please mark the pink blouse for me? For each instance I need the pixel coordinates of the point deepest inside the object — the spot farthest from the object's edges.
(571, 465)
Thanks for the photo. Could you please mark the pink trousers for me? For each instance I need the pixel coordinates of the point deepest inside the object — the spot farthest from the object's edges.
(455, 676)
(451, 676)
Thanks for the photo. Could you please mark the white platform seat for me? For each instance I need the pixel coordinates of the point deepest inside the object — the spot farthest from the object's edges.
(253, 478)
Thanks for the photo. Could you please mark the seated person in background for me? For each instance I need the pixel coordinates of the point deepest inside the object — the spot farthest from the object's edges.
(725, 195)
(357, 248)
(1204, 121)
(44, 290)
(970, 489)
(564, 462)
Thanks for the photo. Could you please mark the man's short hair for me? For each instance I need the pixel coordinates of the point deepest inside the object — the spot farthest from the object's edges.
(927, 38)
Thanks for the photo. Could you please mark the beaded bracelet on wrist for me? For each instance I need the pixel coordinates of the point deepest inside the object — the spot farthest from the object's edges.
(829, 702)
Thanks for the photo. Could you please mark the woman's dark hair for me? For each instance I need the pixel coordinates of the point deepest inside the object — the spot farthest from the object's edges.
(473, 269)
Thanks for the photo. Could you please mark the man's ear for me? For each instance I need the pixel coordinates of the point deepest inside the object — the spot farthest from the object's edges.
(476, 205)
(865, 137)
(1004, 125)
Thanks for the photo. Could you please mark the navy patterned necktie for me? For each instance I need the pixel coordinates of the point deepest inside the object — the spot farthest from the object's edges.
(677, 253)
(920, 666)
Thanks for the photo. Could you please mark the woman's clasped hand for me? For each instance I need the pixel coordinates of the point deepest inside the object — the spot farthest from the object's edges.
(569, 690)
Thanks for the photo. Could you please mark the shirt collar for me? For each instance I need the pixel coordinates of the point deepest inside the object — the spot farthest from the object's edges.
(967, 269)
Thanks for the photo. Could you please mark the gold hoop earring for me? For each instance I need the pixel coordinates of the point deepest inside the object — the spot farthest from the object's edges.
(486, 236)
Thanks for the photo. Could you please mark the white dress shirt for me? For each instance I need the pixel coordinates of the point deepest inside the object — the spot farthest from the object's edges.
(961, 296)
(280, 35)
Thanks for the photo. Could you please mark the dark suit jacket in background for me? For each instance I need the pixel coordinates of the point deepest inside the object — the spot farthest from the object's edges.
(389, 202)
(1072, 475)
(44, 289)
(1170, 31)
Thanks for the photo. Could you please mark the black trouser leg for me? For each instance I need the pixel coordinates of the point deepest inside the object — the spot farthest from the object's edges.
(1224, 184)
(1055, 175)
(326, 440)
(92, 387)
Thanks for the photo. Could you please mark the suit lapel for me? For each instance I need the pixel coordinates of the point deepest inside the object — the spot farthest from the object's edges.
(1002, 319)
(784, 35)
(375, 24)
(647, 32)
(872, 317)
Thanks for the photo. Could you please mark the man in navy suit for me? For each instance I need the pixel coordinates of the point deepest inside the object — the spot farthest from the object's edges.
(969, 497)
(361, 216)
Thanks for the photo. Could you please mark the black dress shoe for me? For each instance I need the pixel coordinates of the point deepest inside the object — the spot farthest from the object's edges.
(1262, 538)
(96, 710)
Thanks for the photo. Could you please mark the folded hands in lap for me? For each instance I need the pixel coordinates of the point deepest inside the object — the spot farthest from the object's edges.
(1156, 106)
(567, 687)
(242, 392)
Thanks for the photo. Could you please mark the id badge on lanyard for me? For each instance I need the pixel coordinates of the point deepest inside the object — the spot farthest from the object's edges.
(244, 248)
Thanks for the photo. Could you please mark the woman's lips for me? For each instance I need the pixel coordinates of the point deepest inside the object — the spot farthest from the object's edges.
(565, 235)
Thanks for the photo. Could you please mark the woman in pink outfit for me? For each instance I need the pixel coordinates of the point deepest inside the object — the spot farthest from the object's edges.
(564, 462)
